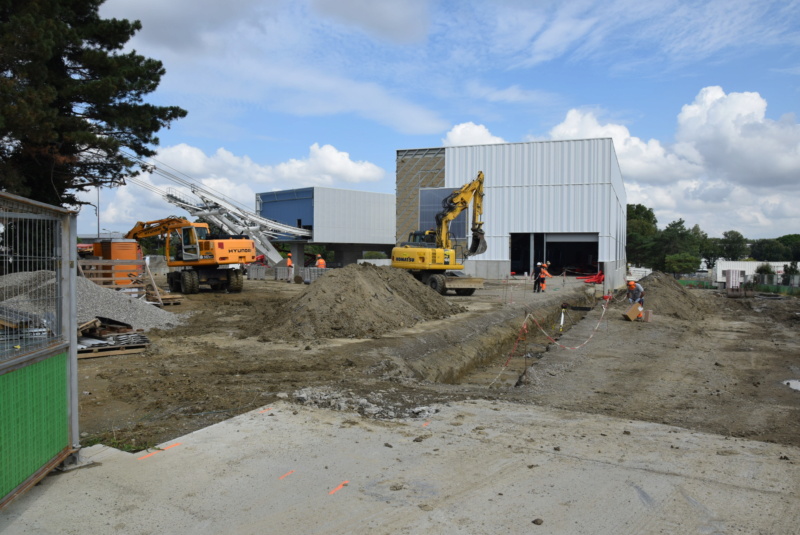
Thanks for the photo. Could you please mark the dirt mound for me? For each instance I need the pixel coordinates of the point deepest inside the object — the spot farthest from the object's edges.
(357, 301)
(666, 297)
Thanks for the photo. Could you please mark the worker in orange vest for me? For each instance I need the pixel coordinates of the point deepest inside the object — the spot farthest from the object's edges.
(321, 262)
(289, 260)
(543, 276)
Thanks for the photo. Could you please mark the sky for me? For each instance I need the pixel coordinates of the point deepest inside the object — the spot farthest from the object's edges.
(700, 97)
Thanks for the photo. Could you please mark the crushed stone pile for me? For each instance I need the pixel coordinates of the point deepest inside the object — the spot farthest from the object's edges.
(34, 293)
(666, 297)
(358, 301)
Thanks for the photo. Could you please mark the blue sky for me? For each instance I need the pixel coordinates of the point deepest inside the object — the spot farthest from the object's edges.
(700, 97)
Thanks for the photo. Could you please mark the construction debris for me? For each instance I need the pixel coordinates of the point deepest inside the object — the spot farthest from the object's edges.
(30, 290)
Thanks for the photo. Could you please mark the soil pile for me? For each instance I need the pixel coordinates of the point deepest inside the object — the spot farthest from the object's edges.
(357, 301)
(666, 297)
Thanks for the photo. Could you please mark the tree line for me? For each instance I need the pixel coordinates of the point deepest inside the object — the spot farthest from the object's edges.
(678, 249)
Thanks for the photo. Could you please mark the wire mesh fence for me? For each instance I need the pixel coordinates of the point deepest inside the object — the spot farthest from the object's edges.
(30, 277)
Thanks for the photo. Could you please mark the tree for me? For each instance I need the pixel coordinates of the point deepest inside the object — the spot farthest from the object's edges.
(734, 245)
(769, 250)
(71, 103)
(681, 263)
(792, 241)
(711, 250)
(675, 239)
(641, 234)
(765, 269)
(788, 272)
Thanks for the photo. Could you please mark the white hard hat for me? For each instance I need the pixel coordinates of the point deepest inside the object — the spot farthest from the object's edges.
(538, 263)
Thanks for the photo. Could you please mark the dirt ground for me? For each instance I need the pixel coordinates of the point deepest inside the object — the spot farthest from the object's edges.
(374, 341)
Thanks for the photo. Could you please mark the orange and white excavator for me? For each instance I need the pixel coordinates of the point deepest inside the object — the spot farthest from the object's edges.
(200, 258)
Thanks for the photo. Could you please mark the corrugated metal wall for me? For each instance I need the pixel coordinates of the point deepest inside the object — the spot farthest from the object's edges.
(346, 216)
(545, 187)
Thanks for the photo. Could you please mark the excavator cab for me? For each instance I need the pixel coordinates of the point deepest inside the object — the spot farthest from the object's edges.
(421, 238)
(190, 244)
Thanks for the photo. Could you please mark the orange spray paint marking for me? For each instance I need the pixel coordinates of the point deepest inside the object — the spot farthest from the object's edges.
(154, 452)
(340, 487)
(290, 472)
(426, 424)
(265, 410)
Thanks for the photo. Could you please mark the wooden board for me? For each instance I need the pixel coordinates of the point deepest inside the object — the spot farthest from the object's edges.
(109, 351)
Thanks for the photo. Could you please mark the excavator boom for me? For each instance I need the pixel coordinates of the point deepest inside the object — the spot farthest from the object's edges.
(430, 255)
(453, 205)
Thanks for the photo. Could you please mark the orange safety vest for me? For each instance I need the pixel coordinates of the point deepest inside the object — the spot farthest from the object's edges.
(321, 263)
(288, 262)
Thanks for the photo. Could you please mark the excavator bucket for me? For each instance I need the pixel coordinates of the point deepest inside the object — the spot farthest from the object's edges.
(478, 244)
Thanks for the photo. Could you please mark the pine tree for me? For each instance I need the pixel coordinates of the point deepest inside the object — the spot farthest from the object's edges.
(71, 101)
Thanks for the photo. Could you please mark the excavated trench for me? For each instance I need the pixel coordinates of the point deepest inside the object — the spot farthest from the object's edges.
(470, 350)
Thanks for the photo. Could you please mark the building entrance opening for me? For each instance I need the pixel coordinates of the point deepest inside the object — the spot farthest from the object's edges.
(574, 257)
(520, 253)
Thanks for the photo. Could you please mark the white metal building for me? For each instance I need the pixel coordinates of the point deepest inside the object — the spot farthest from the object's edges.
(747, 267)
(562, 201)
(347, 222)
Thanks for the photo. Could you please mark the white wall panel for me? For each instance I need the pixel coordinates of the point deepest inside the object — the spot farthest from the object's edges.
(346, 216)
(546, 187)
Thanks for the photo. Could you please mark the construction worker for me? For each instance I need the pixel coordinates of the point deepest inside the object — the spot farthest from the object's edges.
(543, 276)
(636, 294)
(320, 262)
(537, 278)
(289, 260)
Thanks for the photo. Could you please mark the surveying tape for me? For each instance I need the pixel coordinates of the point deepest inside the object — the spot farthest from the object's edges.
(524, 331)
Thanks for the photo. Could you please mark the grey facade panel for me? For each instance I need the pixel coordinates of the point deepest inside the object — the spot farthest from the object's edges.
(347, 216)
(546, 187)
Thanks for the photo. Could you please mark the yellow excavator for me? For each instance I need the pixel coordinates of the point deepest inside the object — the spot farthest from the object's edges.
(430, 254)
(200, 257)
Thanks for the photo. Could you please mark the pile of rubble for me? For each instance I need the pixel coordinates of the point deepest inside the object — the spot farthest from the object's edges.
(34, 293)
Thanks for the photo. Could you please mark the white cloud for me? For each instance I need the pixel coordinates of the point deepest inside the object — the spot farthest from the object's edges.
(738, 143)
(645, 161)
(727, 169)
(401, 21)
(470, 134)
(324, 166)
(670, 31)
(237, 178)
(513, 94)
(188, 26)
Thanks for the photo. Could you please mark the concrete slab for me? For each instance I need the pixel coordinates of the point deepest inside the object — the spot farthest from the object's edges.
(473, 468)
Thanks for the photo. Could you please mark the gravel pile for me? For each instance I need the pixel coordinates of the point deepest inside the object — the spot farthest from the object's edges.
(34, 292)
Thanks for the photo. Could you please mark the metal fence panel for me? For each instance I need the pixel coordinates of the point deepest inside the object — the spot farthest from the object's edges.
(38, 360)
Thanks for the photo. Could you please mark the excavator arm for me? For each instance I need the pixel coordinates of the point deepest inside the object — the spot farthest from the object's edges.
(160, 227)
(453, 205)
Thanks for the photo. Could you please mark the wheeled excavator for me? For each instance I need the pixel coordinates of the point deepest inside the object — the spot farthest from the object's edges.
(430, 254)
(200, 258)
